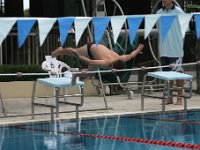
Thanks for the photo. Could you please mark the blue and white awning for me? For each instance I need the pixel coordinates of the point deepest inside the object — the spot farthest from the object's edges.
(6, 25)
(45, 25)
(100, 24)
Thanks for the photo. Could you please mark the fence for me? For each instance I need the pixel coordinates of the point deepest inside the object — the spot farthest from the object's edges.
(31, 52)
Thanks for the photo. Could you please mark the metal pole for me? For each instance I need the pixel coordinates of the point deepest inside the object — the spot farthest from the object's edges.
(1, 61)
(2, 105)
(197, 67)
(103, 92)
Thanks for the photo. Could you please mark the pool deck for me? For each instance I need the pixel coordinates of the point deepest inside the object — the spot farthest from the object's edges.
(19, 110)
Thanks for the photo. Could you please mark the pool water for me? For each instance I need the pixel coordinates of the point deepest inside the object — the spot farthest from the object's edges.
(155, 131)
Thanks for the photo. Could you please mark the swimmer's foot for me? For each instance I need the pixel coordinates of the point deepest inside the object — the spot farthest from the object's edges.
(168, 101)
(179, 101)
(57, 52)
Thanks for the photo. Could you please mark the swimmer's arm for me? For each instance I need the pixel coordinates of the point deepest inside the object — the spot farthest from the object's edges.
(134, 53)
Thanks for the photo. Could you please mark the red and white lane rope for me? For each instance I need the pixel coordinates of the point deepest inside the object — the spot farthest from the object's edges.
(120, 138)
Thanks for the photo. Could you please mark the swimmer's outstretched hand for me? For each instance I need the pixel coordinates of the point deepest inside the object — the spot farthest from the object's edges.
(140, 47)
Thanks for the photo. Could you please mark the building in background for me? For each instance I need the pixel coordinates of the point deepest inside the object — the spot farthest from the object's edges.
(11, 8)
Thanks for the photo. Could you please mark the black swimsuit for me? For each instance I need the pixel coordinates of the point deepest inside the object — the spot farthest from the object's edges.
(89, 44)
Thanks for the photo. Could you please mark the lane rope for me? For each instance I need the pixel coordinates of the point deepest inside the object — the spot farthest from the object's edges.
(143, 68)
(124, 139)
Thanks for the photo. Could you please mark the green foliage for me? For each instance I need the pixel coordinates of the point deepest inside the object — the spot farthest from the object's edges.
(193, 6)
(13, 69)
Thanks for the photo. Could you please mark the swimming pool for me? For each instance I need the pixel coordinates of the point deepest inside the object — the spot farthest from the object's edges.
(170, 130)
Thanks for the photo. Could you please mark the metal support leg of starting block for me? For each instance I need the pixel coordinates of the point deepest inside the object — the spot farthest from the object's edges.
(167, 77)
(103, 92)
(2, 105)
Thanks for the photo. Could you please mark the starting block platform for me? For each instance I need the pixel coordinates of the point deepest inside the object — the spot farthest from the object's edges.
(166, 77)
(57, 84)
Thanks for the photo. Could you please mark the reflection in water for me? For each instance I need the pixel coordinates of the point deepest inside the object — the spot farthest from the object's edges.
(50, 143)
(64, 134)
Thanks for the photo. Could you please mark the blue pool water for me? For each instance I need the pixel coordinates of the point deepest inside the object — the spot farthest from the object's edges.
(66, 135)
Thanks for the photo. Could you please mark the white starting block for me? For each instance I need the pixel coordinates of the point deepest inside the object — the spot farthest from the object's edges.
(57, 80)
(167, 76)
(57, 84)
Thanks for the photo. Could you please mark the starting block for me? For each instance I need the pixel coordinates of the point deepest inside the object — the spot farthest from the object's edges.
(57, 84)
(167, 76)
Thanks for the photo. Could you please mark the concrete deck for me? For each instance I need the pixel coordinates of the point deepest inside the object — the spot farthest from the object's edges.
(19, 110)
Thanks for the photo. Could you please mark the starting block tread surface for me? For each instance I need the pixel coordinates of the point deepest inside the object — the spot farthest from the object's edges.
(58, 82)
(170, 75)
